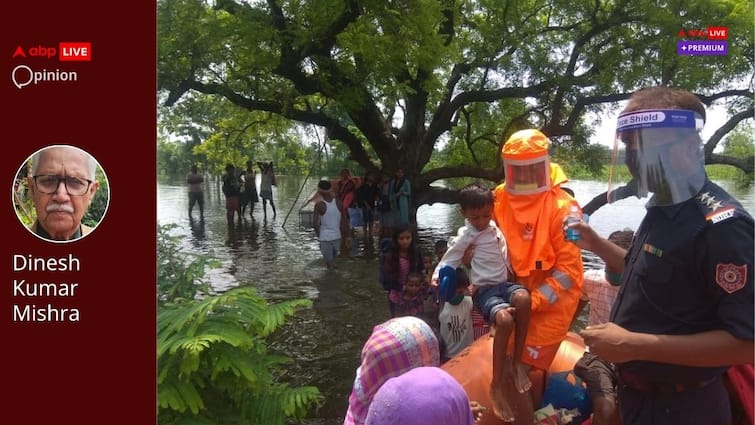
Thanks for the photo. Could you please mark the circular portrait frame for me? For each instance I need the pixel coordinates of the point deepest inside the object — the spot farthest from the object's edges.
(51, 212)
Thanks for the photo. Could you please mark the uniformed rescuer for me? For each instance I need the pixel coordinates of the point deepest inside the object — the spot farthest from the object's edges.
(685, 310)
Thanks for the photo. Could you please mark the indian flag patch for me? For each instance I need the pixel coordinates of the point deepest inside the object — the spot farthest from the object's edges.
(722, 215)
(730, 277)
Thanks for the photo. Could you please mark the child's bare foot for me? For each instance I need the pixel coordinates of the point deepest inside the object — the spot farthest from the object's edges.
(501, 406)
(521, 378)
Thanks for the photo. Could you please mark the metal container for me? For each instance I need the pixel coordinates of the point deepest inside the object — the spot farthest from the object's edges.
(306, 219)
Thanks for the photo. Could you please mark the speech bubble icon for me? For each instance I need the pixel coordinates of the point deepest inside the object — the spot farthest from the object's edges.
(18, 70)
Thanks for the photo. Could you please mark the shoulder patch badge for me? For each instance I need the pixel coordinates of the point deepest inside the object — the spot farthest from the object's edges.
(730, 277)
(721, 215)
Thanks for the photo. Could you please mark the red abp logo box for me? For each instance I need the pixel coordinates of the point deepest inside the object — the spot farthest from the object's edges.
(75, 51)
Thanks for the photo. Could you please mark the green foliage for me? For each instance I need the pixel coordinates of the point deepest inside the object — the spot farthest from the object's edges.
(99, 203)
(216, 133)
(723, 172)
(175, 158)
(430, 86)
(584, 161)
(739, 144)
(213, 364)
(23, 204)
(177, 278)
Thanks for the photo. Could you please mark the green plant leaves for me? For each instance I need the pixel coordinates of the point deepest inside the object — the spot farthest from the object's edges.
(213, 360)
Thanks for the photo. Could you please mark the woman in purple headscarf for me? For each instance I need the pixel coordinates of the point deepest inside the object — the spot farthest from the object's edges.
(424, 395)
(395, 346)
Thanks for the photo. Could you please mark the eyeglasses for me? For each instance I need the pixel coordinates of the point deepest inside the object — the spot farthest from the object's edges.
(74, 186)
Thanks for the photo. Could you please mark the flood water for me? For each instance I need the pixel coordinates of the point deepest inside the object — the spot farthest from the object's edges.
(283, 261)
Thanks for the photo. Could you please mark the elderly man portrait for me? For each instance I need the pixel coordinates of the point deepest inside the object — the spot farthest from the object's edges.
(62, 185)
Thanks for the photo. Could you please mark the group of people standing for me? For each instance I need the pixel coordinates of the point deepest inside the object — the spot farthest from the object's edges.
(358, 203)
(239, 189)
(386, 202)
(683, 311)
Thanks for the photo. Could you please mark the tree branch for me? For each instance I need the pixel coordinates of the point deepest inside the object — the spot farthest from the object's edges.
(708, 100)
(744, 164)
(434, 194)
(493, 175)
(715, 139)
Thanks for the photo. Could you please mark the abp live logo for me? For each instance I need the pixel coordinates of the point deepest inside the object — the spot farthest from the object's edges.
(75, 51)
(710, 33)
(66, 51)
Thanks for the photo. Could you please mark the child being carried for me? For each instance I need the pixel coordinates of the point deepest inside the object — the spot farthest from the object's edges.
(504, 305)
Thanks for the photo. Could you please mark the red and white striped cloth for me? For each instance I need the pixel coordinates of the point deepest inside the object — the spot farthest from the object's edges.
(479, 326)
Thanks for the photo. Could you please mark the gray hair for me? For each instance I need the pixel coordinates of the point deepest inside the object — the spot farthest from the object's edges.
(91, 162)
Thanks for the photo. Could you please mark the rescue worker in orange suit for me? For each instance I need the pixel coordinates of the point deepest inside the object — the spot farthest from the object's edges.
(530, 208)
(685, 308)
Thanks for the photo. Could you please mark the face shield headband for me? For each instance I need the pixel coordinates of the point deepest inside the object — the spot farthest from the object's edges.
(663, 152)
(527, 176)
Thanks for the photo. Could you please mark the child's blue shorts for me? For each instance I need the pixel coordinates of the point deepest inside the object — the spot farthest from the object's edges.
(490, 299)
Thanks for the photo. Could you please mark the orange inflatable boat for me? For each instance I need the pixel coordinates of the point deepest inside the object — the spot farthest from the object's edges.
(473, 369)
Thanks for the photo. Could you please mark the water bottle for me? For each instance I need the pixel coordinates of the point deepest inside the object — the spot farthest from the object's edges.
(574, 216)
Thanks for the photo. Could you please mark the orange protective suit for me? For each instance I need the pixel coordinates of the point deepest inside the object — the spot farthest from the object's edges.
(549, 266)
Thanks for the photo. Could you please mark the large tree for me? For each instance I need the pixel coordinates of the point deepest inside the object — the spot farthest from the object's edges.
(394, 79)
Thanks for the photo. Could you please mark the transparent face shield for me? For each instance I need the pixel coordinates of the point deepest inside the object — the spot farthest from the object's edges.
(527, 176)
(662, 151)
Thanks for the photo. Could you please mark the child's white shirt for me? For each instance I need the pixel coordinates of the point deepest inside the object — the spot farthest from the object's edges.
(456, 326)
(490, 263)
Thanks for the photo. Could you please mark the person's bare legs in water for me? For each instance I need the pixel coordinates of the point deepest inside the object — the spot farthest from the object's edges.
(264, 207)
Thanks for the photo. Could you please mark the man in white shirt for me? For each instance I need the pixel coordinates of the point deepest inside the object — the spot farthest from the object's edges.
(327, 222)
